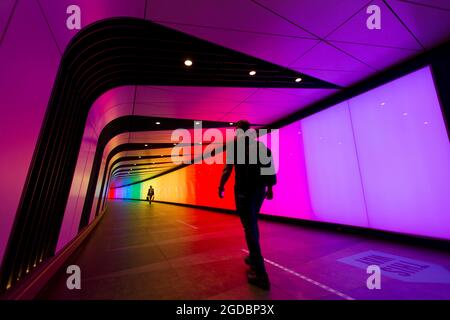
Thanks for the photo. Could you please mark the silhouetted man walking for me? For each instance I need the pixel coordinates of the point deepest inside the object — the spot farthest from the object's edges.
(250, 189)
(150, 194)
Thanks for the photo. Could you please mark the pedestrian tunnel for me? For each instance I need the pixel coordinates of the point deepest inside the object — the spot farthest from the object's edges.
(92, 118)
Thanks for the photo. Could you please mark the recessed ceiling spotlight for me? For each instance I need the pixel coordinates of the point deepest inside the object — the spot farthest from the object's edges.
(405, 113)
(158, 123)
(197, 122)
(188, 63)
(231, 123)
(298, 80)
(140, 157)
(382, 104)
(426, 122)
(252, 73)
(146, 145)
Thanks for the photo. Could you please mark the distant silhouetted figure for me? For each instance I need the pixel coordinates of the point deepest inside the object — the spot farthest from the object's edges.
(250, 189)
(150, 194)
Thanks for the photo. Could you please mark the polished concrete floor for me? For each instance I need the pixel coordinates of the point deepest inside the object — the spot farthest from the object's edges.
(160, 251)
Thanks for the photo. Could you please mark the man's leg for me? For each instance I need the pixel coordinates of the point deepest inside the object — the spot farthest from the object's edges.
(256, 258)
(248, 207)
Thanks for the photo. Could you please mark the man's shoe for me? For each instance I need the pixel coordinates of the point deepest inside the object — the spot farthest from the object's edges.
(260, 280)
(248, 261)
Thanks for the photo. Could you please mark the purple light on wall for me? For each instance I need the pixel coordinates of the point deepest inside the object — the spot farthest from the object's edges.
(404, 156)
(291, 192)
(379, 160)
(332, 167)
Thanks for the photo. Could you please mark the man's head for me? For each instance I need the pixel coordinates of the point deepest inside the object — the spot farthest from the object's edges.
(243, 130)
(244, 125)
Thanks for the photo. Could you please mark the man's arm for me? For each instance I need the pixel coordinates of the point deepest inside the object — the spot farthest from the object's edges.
(225, 176)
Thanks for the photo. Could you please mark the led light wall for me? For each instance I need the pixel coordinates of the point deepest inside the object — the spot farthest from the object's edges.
(380, 160)
(195, 184)
(404, 156)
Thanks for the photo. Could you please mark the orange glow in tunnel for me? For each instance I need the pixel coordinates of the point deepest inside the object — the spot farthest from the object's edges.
(195, 184)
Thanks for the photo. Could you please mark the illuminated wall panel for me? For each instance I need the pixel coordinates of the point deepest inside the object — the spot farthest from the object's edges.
(332, 167)
(379, 160)
(404, 155)
(292, 184)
